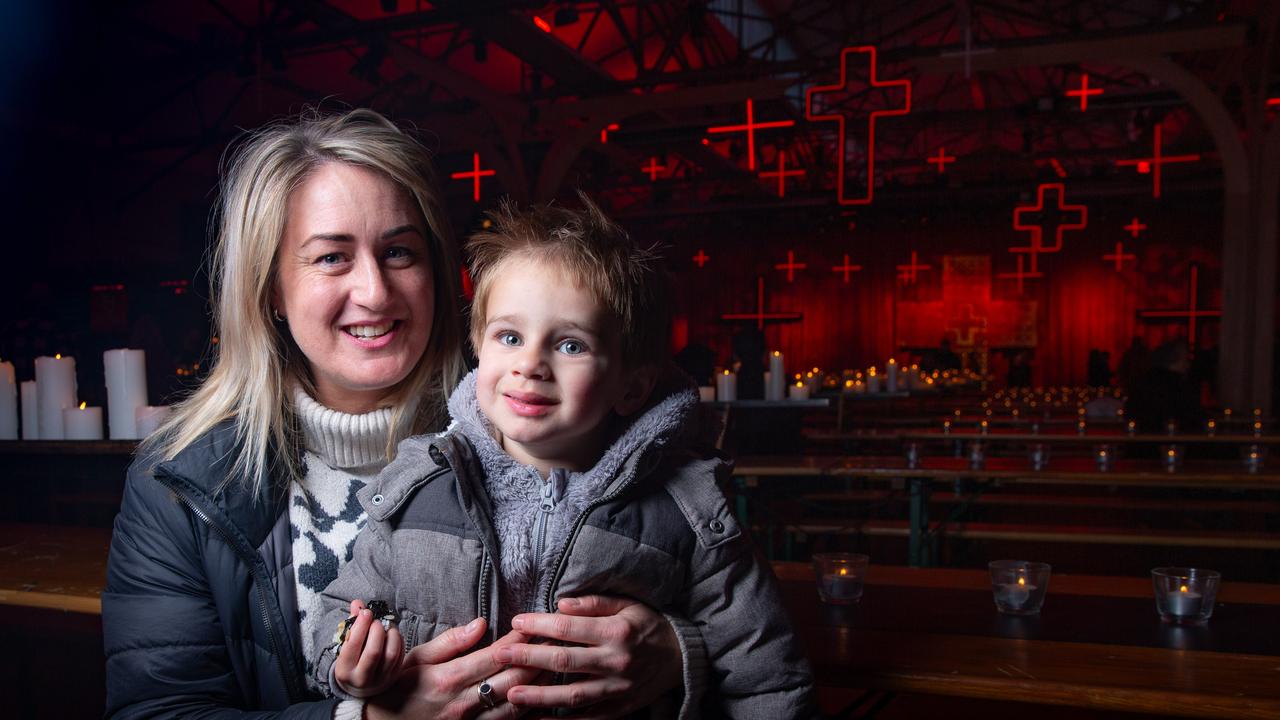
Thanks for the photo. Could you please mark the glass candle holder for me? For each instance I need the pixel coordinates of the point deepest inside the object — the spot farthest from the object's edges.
(977, 455)
(1131, 427)
(1171, 457)
(1018, 586)
(840, 577)
(1105, 456)
(1254, 457)
(1038, 456)
(1185, 596)
(912, 450)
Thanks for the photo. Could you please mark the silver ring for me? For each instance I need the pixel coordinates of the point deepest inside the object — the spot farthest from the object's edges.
(486, 695)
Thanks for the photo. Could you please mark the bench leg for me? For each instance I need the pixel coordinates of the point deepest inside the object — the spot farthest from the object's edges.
(918, 548)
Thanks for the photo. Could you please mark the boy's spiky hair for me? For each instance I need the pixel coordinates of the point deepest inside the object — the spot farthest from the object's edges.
(593, 251)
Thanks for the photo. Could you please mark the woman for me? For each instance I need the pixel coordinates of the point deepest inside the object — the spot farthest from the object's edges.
(337, 335)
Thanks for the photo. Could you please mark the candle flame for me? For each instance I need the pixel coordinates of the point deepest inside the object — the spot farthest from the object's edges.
(1182, 589)
(845, 571)
(58, 356)
(848, 383)
(799, 384)
(82, 406)
(726, 372)
(1172, 453)
(777, 354)
(1022, 582)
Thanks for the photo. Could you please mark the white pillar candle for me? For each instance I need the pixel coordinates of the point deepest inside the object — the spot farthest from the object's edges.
(706, 393)
(82, 423)
(56, 389)
(777, 377)
(126, 372)
(799, 391)
(891, 379)
(8, 403)
(149, 417)
(726, 386)
(30, 411)
(873, 381)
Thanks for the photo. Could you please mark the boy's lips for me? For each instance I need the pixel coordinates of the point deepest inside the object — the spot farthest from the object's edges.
(528, 404)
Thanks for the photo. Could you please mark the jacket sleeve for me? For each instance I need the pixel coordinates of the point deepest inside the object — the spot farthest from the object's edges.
(162, 631)
(757, 667)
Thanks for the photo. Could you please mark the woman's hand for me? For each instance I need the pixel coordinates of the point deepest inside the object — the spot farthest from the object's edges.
(440, 679)
(628, 649)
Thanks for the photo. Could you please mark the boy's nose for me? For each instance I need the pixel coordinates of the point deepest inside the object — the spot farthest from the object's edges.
(531, 365)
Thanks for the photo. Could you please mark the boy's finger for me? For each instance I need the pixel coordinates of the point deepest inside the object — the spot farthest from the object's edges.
(447, 645)
(394, 649)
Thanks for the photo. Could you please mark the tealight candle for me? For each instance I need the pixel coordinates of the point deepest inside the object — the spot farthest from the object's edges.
(840, 576)
(1185, 595)
(1017, 586)
(82, 423)
(1132, 428)
(727, 386)
(873, 380)
(799, 391)
(1211, 427)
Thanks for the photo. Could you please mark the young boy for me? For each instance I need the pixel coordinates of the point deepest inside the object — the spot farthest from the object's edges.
(576, 464)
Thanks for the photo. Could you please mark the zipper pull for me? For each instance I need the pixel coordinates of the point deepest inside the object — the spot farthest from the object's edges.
(548, 501)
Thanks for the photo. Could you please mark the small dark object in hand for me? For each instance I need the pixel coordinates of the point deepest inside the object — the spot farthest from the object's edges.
(381, 612)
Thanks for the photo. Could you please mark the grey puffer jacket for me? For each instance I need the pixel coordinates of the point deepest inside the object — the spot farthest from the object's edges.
(660, 532)
(199, 614)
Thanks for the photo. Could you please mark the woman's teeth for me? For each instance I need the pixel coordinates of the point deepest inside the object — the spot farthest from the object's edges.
(368, 331)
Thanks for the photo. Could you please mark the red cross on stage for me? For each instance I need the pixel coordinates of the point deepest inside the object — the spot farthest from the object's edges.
(760, 316)
(1055, 216)
(1020, 275)
(941, 160)
(1119, 256)
(1135, 228)
(791, 266)
(782, 173)
(750, 128)
(1157, 161)
(1084, 92)
(967, 325)
(1191, 313)
(864, 129)
(846, 268)
(701, 258)
(476, 173)
(909, 273)
(966, 311)
(652, 168)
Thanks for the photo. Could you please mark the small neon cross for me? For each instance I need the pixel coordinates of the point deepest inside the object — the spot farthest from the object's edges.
(846, 268)
(701, 258)
(941, 160)
(1119, 256)
(1135, 228)
(1084, 92)
(750, 128)
(652, 168)
(791, 266)
(1157, 161)
(1191, 312)
(1020, 275)
(476, 173)
(910, 272)
(760, 316)
(782, 173)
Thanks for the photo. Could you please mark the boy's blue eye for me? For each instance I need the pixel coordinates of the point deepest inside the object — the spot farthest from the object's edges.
(509, 339)
(572, 347)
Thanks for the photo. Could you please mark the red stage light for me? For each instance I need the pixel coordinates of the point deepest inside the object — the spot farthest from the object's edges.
(476, 173)
(941, 160)
(1037, 245)
(1084, 92)
(791, 266)
(750, 128)
(1153, 164)
(846, 268)
(840, 117)
(782, 173)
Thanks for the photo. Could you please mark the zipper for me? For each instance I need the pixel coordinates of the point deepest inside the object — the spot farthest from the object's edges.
(546, 506)
(482, 593)
(290, 680)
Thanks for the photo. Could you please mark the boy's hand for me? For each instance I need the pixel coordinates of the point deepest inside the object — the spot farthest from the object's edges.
(370, 657)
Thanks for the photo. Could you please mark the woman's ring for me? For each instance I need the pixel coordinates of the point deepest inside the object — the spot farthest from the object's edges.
(486, 695)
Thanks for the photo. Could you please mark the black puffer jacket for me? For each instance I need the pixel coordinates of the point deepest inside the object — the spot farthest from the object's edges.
(199, 613)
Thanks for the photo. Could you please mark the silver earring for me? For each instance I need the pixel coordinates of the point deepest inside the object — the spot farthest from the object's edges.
(276, 314)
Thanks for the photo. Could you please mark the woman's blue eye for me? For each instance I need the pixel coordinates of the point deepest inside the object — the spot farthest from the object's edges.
(399, 253)
(509, 339)
(330, 259)
(572, 347)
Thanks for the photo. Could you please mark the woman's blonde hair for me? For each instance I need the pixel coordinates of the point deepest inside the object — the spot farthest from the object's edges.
(255, 361)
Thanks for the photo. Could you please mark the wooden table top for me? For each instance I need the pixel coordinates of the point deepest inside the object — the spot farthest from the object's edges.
(1096, 644)
(1061, 471)
(53, 567)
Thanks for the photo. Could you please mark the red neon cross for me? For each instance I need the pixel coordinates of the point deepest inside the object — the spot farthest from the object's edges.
(760, 316)
(868, 136)
(941, 160)
(782, 173)
(1135, 228)
(750, 129)
(791, 266)
(1084, 92)
(476, 174)
(1055, 216)
(652, 168)
(1020, 275)
(1156, 161)
(968, 322)
(604, 132)
(910, 272)
(1192, 310)
(846, 268)
(701, 258)
(1119, 256)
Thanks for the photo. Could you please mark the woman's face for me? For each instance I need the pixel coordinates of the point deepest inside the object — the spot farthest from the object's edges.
(354, 284)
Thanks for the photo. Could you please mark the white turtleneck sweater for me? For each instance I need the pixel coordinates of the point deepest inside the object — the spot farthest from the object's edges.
(342, 453)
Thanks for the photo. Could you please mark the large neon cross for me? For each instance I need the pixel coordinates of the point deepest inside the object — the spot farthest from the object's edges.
(970, 323)
(791, 266)
(1119, 256)
(701, 258)
(476, 173)
(941, 160)
(1191, 313)
(782, 173)
(1084, 92)
(846, 268)
(1135, 228)
(1020, 275)
(1157, 161)
(760, 316)
(750, 128)
(867, 135)
(652, 168)
(909, 273)
(1023, 218)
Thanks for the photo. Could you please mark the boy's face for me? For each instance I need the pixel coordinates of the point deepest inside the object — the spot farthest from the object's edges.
(551, 367)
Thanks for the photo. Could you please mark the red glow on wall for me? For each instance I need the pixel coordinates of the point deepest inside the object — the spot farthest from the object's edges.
(791, 266)
(941, 160)
(750, 129)
(1020, 275)
(1084, 92)
(1190, 313)
(782, 173)
(1152, 165)
(1025, 218)
(840, 117)
(701, 258)
(1119, 256)
(1135, 228)
(475, 175)
(653, 168)
(846, 268)
(910, 272)
(760, 316)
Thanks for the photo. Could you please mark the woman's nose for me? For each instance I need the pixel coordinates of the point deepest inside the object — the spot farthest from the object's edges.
(371, 288)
